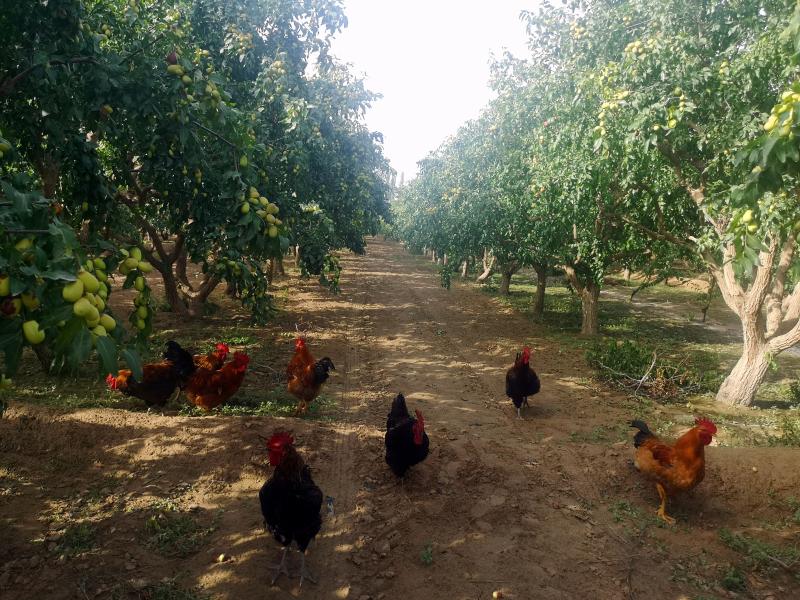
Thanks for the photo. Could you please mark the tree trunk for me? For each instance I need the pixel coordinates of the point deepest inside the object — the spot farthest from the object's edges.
(741, 385)
(197, 300)
(45, 356)
(590, 304)
(505, 283)
(279, 266)
(627, 274)
(488, 266)
(506, 273)
(297, 256)
(173, 295)
(541, 285)
(464, 269)
(590, 301)
(180, 268)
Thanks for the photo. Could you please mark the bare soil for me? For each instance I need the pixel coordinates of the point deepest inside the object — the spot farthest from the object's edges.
(549, 507)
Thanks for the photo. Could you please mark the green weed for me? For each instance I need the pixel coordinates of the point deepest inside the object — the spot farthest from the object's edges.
(173, 533)
(77, 539)
(426, 556)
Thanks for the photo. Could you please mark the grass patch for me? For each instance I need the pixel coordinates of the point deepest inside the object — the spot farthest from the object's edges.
(173, 533)
(169, 590)
(274, 403)
(734, 580)
(77, 539)
(758, 554)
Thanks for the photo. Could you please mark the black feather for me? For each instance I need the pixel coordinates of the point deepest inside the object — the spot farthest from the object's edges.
(321, 370)
(401, 451)
(521, 382)
(181, 358)
(291, 507)
(643, 434)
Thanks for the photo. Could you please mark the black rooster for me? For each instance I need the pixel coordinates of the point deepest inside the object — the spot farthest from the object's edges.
(406, 441)
(290, 503)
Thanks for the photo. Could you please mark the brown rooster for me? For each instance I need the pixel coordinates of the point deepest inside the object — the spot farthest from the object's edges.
(159, 380)
(304, 376)
(675, 468)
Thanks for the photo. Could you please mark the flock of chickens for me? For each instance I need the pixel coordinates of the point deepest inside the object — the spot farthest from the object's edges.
(290, 500)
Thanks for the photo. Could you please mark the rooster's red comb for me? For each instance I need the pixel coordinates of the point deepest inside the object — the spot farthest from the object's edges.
(299, 343)
(706, 424)
(111, 381)
(280, 439)
(420, 417)
(223, 347)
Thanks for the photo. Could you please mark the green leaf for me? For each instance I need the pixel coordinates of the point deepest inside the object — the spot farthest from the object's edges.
(107, 351)
(134, 362)
(59, 275)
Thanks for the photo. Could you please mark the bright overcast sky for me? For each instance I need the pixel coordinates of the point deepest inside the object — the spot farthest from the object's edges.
(430, 61)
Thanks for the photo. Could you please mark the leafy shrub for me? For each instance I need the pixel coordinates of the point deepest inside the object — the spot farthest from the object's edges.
(789, 428)
(793, 392)
(635, 366)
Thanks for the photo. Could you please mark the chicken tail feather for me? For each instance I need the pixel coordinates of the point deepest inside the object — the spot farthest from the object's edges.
(643, 434)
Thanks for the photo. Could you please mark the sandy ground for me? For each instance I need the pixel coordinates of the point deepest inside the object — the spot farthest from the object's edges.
(523, 507)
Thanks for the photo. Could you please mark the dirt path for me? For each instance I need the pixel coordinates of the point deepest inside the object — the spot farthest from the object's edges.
(541, 508)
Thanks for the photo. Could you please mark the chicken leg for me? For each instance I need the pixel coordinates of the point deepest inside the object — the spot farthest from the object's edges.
(662, 510)
(305, 573)
(519, 408)
(281, 566)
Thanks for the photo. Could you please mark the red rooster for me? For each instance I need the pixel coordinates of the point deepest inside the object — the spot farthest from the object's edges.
(208, 389)
(214, 360)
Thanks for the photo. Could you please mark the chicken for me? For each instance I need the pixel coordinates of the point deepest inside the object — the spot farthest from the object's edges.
(676, 468)
(406, 441)
(208, 389)
(521, 381)
(204, 363)
(304, 376)
(214, 360)
(159, 380)
(290, 502)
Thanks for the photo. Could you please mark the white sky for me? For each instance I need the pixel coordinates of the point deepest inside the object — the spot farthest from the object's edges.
(430, 60)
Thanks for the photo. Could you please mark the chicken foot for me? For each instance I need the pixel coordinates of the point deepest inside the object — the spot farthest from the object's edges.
(662, 510)
(281, 567)
(305, 573)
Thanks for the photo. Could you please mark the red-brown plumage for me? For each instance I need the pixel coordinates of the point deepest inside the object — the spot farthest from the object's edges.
(208, 389)
(214, 360)
(674, 467)
(159, 381)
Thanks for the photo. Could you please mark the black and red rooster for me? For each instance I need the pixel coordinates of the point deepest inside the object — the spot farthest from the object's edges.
(406, 441)
(521, 381)
(290, 502)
